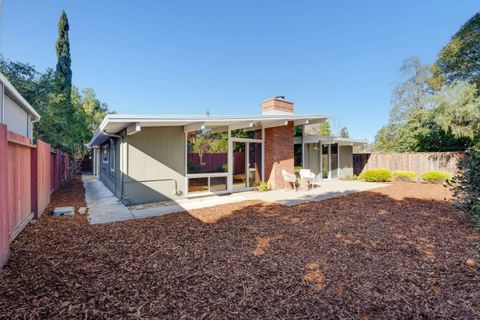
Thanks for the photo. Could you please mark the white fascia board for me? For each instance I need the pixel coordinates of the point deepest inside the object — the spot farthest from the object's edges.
(194, 126)
(8, 87)
(242, 125)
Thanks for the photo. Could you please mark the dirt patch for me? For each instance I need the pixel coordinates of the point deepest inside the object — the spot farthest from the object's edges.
(397, 252)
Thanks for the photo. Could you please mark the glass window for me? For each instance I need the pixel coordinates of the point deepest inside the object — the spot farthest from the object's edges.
(254, 164)
(334, 161)
(197, 184)
(297, 151)
(105, 154)
(218, 184)
(248, 133)
(325, 161)
(112, 154)
(207, 150)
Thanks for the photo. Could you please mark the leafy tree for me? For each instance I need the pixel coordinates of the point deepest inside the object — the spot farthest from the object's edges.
(344, 133)
(459, 59)
(324, 129)
(457, 109)
(298, 131)
(408, 97)
(420, 119)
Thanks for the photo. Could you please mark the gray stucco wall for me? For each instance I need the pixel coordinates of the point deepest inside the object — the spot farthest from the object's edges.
(16, 118)
(155, 165)
(312, 157)
(346, 161)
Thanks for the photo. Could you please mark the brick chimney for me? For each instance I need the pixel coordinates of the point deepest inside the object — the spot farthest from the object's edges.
(277, 105)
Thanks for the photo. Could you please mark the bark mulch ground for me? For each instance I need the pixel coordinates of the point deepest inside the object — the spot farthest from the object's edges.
(397, 252)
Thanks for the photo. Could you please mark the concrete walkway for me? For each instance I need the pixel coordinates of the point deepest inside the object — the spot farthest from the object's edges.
(104, 207)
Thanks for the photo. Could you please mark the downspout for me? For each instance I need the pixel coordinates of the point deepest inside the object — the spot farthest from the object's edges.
(120, 156)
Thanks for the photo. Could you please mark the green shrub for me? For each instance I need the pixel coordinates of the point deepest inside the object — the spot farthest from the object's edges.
(466, 186)
(263, 186)
(376, 175)
(404, 176)
(436, 176)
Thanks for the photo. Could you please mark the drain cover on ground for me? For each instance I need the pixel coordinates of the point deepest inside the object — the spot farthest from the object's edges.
(63, 211)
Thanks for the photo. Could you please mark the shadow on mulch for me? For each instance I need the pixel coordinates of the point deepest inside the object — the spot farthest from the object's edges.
(380, 254)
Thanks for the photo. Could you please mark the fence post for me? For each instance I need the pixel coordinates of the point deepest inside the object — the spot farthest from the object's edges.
(4, 223)
(34, 180)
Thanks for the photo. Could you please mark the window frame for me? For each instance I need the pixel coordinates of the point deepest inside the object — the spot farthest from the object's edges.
(112, 154)
(105, 153)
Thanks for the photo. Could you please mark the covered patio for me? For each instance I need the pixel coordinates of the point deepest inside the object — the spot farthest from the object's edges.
(327, 156)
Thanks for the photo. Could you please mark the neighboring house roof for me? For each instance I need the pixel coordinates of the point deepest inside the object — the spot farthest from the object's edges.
(329, 140)
(114, 123)
(18, 98)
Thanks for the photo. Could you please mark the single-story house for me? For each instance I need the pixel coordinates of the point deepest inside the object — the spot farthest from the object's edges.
(15, 111)
(151, 158)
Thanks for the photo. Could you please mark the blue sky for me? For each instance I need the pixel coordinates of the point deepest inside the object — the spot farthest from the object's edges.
(186, 57)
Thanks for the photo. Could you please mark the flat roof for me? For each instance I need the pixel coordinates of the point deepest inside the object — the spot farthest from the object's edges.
(15, 95)
(114, 123)
(329, 140)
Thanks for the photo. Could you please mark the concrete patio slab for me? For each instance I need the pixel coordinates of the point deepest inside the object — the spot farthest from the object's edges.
(327, 190)
(103, 206)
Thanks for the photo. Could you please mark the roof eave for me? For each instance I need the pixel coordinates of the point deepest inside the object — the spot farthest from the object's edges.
(19, 98)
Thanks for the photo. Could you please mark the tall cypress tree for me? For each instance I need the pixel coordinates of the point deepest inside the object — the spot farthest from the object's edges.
(63, 71)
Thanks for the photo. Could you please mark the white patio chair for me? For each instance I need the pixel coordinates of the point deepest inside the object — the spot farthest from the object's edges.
(310, 177)
(289, 178)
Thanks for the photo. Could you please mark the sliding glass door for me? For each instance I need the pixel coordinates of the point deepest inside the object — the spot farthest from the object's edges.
(247, 165)
(329, 160)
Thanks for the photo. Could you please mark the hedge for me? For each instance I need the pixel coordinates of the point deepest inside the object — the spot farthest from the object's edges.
(404, 176)
(376, 175)
(436, 176)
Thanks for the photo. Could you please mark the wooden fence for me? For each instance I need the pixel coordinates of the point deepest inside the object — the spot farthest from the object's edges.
(418, 162)
(28, 175)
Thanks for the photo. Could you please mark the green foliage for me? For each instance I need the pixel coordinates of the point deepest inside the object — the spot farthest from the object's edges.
(466, 185)
(376, 175)
(263, 186)
(63, 72)
(344, 133)
(457, 110)
(324, 129)
(436, 176)
(426, 120)
(404, 176)
(61, 129)
(298, 131)
(458, 60)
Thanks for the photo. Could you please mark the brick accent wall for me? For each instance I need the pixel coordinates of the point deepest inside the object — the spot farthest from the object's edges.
(279, 154)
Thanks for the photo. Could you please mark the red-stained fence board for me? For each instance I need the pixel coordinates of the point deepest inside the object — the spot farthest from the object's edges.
(4, 197)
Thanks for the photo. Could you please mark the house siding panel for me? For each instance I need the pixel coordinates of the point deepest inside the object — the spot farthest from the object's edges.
(155, 165)
(16, 118)
(346, 161)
